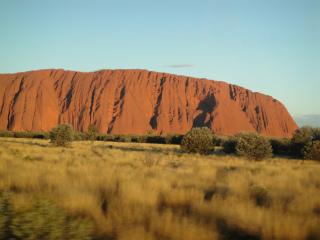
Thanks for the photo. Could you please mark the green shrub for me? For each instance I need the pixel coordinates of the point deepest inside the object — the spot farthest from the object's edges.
(105, 137)
(173, 138)
(299, 139)
(156, 139)
(316, 134)
(101, 137)
(134, 138)
(229, 145)
(79, 136)
(91, 133)
(312, 150)
(26, 134)
(5, 133)
(122, 138)
(114, 138)
(253, 146)
(280, 146)
(169, 139)
(302, 137)
(219, 141)
(198, 140)
(61, 135)
(41, 135)
(141, 138)
(29, 134)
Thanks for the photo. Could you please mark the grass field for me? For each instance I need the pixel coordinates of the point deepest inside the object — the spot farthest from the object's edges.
(133, 191)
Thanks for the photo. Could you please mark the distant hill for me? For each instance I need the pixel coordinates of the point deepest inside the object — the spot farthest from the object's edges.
(136, 102)
(312, 120)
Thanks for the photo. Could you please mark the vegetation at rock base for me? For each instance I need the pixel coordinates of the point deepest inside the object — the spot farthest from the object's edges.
(198, 140)
(312, 150)
(91, 133)
(62, 135)
(253, 146)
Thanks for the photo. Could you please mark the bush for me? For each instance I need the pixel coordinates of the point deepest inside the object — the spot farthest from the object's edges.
(109, 137)
(176, 139)
(134, 138)
(316, 134)
(219, 141)
(79, 136)
(29, 134)
(122, 138)
(41, 135)
(101, 137)
(229, 145)
(156, 139)
(26, 134)
(198, 140)
(253, 146)
(173, 138)
(300, 138)
(141, 139)
(280, 146)
(312, 150)
(5, 133)
(91, 133)
(61, 135)
(168, 139)
(303, 137)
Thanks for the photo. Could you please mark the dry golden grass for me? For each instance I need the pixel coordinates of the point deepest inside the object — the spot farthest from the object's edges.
(143, 191)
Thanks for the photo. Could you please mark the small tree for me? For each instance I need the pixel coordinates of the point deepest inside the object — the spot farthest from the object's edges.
(253, 146)
(280, 146)
(91, 133)
(312, 150)
(316, 134)
(299, 139)
(61, 135)
(302, 137)
(198, 140)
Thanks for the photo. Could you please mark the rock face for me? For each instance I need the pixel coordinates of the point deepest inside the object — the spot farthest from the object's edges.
(136, 102)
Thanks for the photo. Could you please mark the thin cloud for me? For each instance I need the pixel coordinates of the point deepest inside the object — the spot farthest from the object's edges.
(180, 66)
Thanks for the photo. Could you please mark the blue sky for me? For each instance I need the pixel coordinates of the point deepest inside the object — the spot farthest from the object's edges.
(270, 46)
